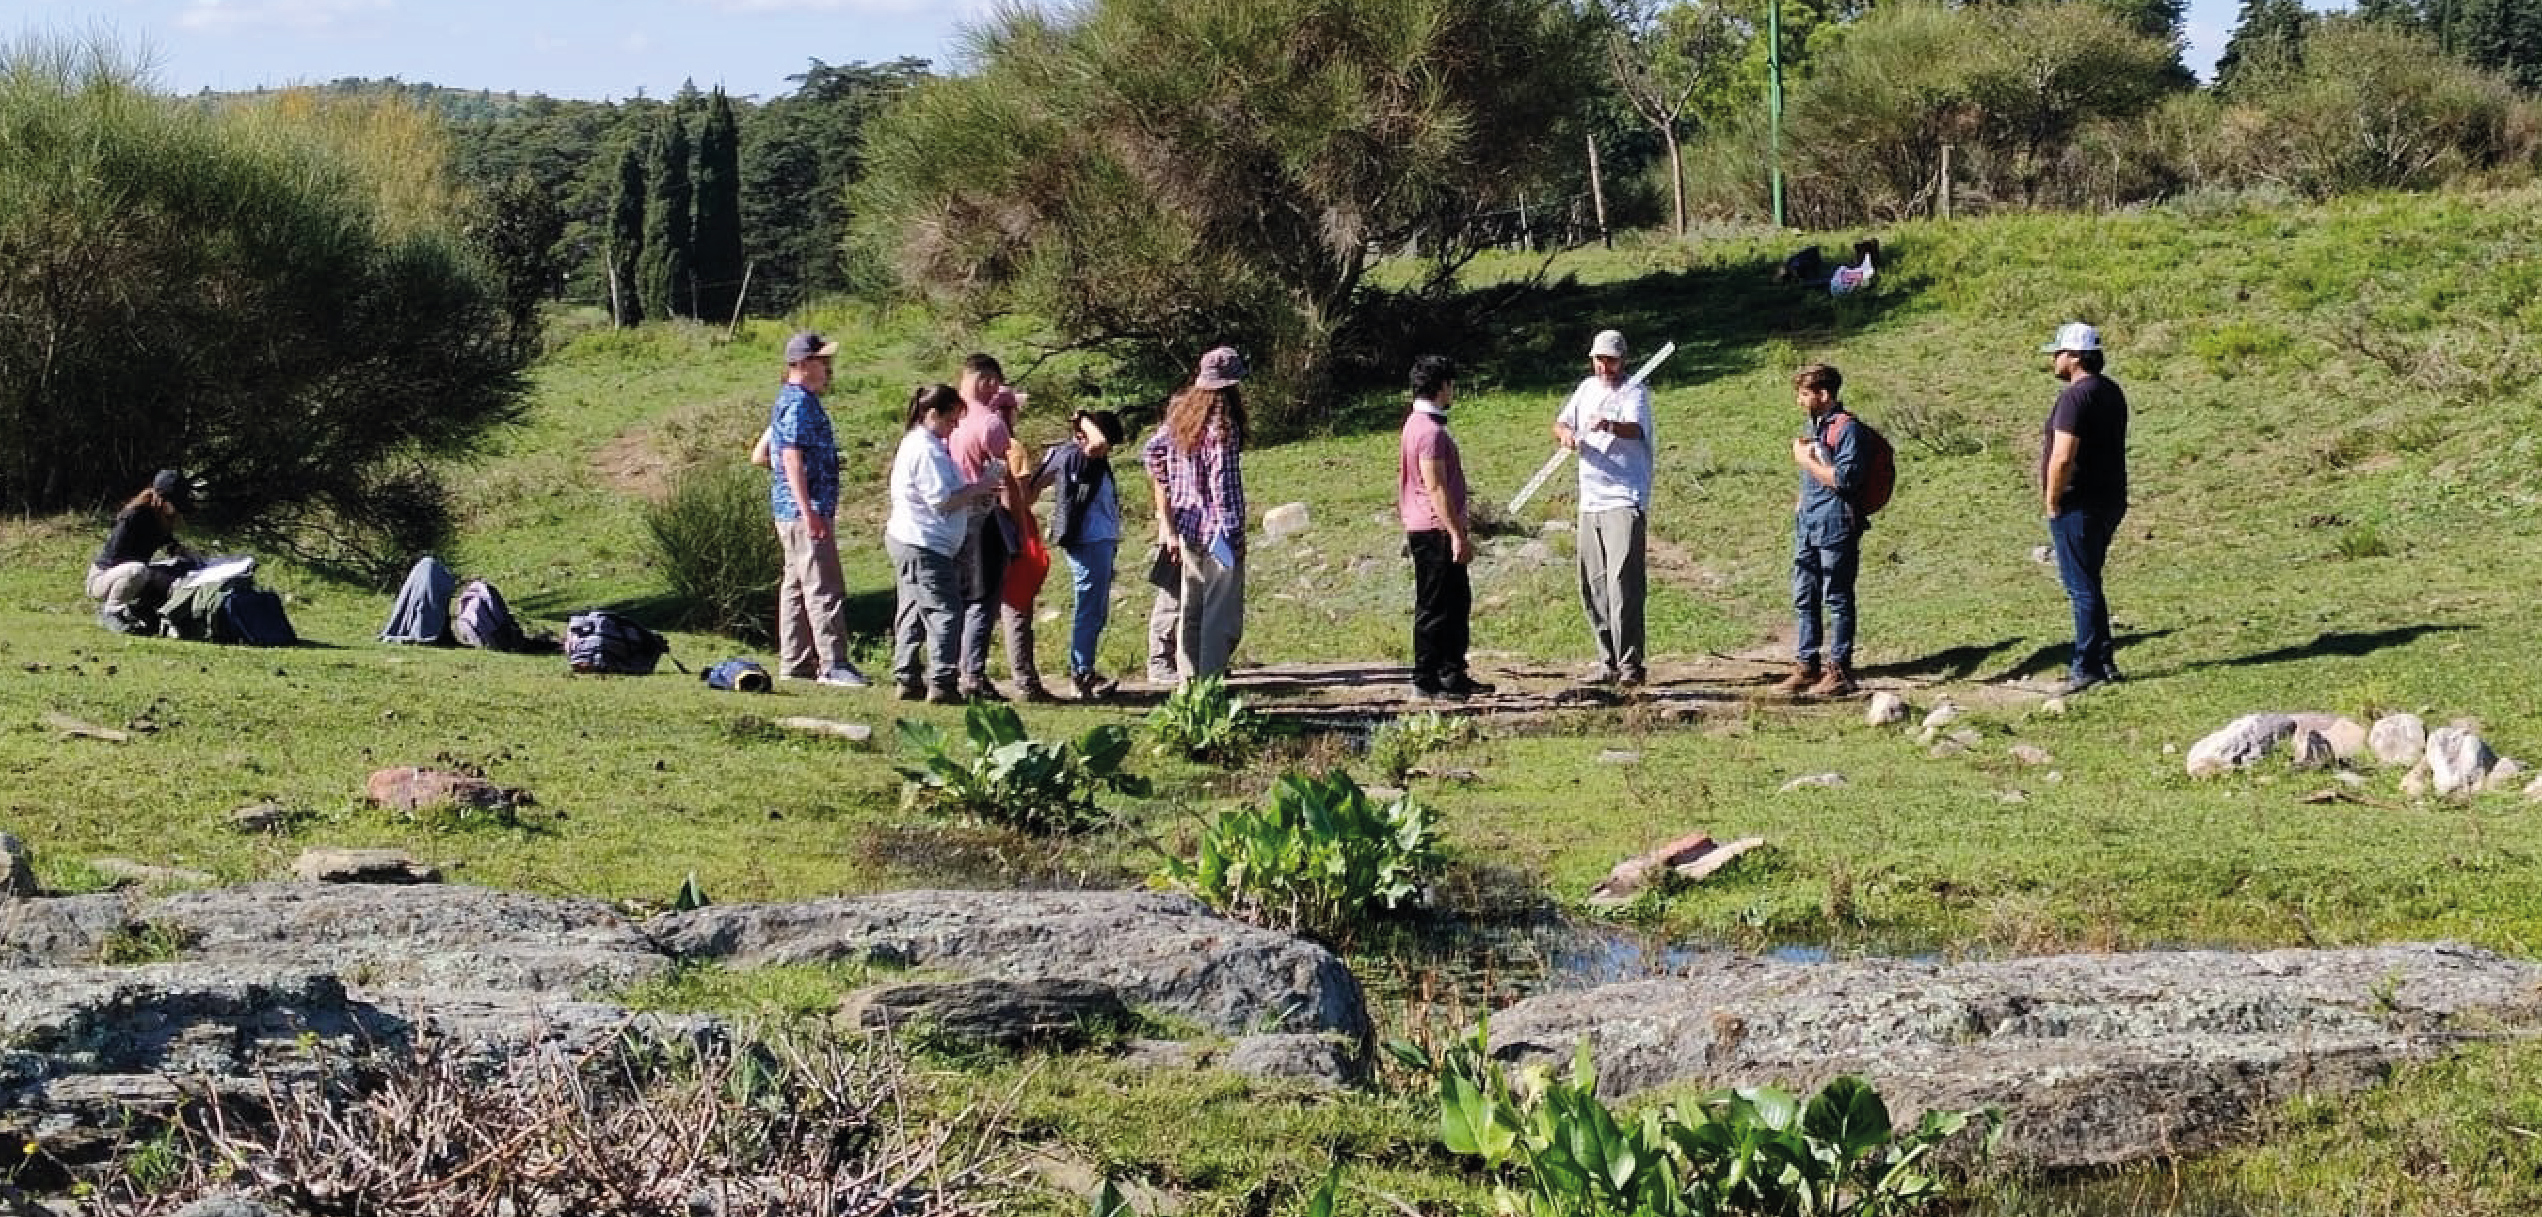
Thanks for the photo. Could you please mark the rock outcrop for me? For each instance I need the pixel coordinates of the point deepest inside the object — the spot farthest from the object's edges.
(2096, 1059)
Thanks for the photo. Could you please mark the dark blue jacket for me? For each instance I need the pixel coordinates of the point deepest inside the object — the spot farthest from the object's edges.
(1826, 515)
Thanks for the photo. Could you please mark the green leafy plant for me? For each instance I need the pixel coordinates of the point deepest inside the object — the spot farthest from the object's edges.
(1750, 1151)
(710, 547)
(1400, 743)
(1317, 860)
(1010, 779)
(1202, 721)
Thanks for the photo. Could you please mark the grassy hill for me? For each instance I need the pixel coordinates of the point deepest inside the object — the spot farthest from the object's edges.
(2334, 455)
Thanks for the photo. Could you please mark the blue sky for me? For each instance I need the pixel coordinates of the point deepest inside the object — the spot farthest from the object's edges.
(565, 48)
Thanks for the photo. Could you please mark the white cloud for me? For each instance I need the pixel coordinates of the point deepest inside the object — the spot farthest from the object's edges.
(249, 15)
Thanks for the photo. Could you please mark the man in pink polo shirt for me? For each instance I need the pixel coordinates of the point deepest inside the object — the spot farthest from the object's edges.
(1430, 496)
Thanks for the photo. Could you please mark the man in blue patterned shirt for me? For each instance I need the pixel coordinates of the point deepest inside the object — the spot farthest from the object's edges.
(803, 494)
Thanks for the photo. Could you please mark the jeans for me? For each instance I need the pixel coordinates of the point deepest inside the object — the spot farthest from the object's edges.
(1090, 566)
(1442, 610)
(2082, 540)
(927, 625)
(1823, 575)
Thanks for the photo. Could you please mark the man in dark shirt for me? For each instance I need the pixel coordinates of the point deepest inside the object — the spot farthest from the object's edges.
(2083, 481)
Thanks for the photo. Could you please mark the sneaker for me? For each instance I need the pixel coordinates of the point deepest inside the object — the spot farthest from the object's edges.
(1464, 685)
(1798, 680)
(1092, 686)
(2080, 681)
(1034, 692)
(121, 619)
(1436, 693)
(1633, 678)
(943, 695)
(1836, 682)
(911, 690)
(980, 690)
(844, 676)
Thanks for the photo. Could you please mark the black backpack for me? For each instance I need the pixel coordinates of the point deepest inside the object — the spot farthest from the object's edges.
(232, 610)
(597, 640)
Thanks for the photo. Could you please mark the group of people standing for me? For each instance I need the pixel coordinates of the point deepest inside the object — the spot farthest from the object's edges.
(963, 493)
(964, 490)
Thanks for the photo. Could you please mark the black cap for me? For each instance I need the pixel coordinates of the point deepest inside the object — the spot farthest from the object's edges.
(171, 486)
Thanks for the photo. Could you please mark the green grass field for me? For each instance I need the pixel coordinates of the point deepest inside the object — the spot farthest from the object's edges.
(2334, 460)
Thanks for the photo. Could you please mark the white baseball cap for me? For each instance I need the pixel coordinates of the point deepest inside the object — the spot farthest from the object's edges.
(1609, 343)
(2073, 336)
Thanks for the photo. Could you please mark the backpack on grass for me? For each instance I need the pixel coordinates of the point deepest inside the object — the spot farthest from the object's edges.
(1879, 462)
(221, 603)
(479, 618)
(736, 675)
(600, 641)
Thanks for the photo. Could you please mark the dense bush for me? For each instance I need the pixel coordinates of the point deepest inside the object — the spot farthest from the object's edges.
(1154, 177)
(713, 548)
(1014, 780)
(1748, 1152)
(2366, 106)
(1318, 860)
(230, 292)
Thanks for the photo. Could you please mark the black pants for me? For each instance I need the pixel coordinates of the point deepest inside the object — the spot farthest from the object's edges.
(1442, 608)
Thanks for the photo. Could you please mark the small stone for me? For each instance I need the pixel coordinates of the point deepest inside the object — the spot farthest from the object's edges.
(2348, 777)
(1553, 528)
(2011, 796)
(1947, 748)
(2347, 736)
(2398, 739)
(2030, 754)
(1817, 780)
(2054, 707)
(2505, 775)
(411, 789)
(1941, 715)
(2170, 749)
(854, 733)
(2052, 777)
(1885, 708)
(1619, 756)
(2309, 749)
(263, 817)
(361, 866)
(1532, 554)
(1286, 520)
(2415, 783)
(1966, 737)
(2042, 554)
(2533, 790)
(2458, 761)
(2239, 744)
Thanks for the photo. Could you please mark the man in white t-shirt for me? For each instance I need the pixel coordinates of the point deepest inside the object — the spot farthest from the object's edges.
(1609, 427)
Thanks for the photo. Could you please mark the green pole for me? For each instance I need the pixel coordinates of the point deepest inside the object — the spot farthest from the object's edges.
(1774, 98)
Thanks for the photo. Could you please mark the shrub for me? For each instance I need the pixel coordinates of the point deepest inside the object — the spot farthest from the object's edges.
(1320, 858)
(713, 548)
(1012, 780)
(1202, 721)
(1402, 742)
(2364, 107)
(236, 292)
(1753, 1150)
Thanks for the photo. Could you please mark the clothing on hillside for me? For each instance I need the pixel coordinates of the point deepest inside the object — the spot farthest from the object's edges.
(798, 421)
(2093, 409)
(1614, 471)
(923, 477)
(1613, 586)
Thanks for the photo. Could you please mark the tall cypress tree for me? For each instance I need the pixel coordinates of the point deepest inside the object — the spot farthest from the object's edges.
(716, 254)
(626, 235)
(2265, 30)
(662, 276)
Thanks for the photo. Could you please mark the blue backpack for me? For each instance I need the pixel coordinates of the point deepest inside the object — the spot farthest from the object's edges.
(603, 642)
(736, 675)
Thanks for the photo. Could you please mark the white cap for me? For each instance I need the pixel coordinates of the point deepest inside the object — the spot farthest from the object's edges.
(2074, 336)
(1609, 343)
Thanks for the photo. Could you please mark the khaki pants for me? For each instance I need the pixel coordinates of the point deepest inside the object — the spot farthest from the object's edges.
(118, 584)
(811, 603)
(1612, 586)
(1213, 611)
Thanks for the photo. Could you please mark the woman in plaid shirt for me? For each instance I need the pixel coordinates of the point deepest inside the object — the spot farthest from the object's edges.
(1195, 460)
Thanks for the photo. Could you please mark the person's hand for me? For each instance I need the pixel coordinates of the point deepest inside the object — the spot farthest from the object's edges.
(1460, 549)
(1800, 451)
(817, 524)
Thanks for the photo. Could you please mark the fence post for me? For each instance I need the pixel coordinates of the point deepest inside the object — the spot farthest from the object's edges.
(1597, 193)
(1945, 194)
(741, 297)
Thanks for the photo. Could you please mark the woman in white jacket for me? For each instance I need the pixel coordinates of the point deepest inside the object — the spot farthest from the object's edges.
(930, 506)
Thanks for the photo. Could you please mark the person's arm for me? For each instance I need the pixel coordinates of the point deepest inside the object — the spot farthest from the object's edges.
(2060, 470)
(1563, 432)
(797, 484)
(1434, 484)
(1019, 492)
(1165, 534)
(1630, 428)
(759, 454)
(1805, 454)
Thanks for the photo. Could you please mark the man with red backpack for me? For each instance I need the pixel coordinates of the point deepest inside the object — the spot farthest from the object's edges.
(1844, 467)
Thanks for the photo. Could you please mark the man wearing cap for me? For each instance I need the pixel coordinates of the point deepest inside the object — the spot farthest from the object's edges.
(2083, 478)
(803, 494)
(1609, 426)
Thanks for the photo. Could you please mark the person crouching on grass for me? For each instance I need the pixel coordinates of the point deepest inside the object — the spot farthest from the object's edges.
(1826, 537)
(930, 512)
(1430, 498)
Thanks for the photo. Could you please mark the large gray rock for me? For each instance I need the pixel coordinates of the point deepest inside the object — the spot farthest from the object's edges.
(2097, 1059)
(1169, 952)
(2239, 744)
(2458, 760)
(991, 1013)
(428, 937)
(61, 930)
(2398, 739)
(2346, 736)
(17, 868)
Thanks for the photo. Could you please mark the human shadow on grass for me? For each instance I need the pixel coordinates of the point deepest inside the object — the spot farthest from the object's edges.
(2343, 643)
(1949, 664)
(2059, 656)
(1517, 338)
(869, 614)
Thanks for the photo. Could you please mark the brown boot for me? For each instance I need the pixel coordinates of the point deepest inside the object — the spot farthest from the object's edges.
(1837, 682)
(1802, 676)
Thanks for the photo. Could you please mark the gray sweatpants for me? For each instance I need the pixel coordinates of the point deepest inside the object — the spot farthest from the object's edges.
(1213, 604)
(926, 626)
(1612, 586)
